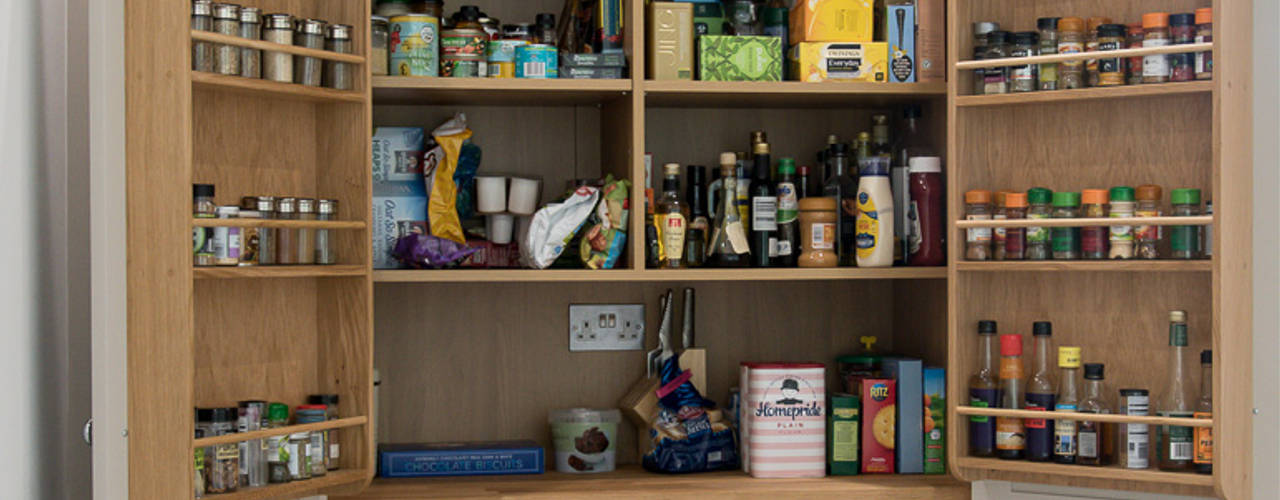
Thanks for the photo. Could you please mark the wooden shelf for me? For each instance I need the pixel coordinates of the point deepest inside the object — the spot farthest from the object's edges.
(1199, 220)
(280, 223)
(496, 91)
(269, 88)
(280, 431)
(1080, 56)
(1202, 87)
(331, 480)
(635, 275)
(697, 94)
(1115, 473)
(634, 482)
(1096, 417)
(209, 36)
(1130, 265)
(279, 272)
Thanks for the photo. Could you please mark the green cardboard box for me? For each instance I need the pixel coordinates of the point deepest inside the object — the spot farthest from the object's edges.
(842, 435)
(935, 429)
(739, 58)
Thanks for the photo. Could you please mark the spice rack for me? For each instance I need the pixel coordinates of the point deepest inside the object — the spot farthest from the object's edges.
(273, 89)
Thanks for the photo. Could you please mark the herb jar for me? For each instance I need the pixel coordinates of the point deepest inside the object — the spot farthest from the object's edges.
(314, 414)
(277, 447)
(1182, 31)
(299, 456)
(226, 239)
(325, 210)
(1111, 69)
(980, 32)
(379, 48)
(330, 402)
(250, 29)
(287, 237)
(1148, 237)
(1093, 239)
(226, 21)
(1122, 206)
(306, 242)
(266, 254)
(818, 232)
(1091, 45)
(1015, 238)
(338, 75)
(202, 237)
(998, 233)
(1071, 41)
(202, 52)
(307, 70)
(253, 462)
(1038, 241)
(1066, 240)
(1048, 72)
(1185, 240)
(977, 206)
(224, 468)
(1133, 65)
(278, 66)
(997, 79)
(1025, 78)
(204, 454)
(1204, 33)
(1155, 33)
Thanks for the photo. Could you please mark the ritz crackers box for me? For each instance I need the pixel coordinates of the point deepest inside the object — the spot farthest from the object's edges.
(878, 422)
(935, 414)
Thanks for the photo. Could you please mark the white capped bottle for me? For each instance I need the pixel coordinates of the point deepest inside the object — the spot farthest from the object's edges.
(874, 229)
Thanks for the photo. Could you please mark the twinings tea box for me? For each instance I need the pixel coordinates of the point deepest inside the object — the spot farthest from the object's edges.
(935, 415)
(785, 419)
(670, 41)
(841, 61)
(908, 448)
(739, 58)
(879, 415)
(842, 435)
(832, 21)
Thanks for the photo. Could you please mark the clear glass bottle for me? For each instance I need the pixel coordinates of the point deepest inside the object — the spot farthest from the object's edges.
(287, 238)
(1064, 431)
(306, 236)
(997, 79)
(1071, 41)
(1038, 240)
(672, 218)
(1010, 444)
(1122, 207)
(1174, 443)
(977, 206)
(1185, 240)
(1094, 239)
(1041, 394)
(1095, 441)
(250, 29)
(1155, 33)
(326, 210)
(1025, 78)
(1148, 237)
(202, 52)
(1066, 240)
(1048, 72)
(1015, 238)
(226, 21)
(844, 188)
(728, 246)
(984, 392)
(338, 75)
(202, 237)
(1203, 458)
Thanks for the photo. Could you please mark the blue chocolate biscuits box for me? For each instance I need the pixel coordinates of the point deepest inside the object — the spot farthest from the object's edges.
(483, 458)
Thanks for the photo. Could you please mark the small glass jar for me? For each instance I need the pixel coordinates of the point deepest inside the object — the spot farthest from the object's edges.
(997, 79)
(226, 21)
(519, 31)
(1071, 41)
(1091, 45)
(1148, 237)
(1204, 34)
(325, 210)
(998, 233)
(300, 456)
(314, 414)
(307, 70)
(338, 75)
(278, 456)
(818, 232)
(379, 48)
(224, 469)
(286, 237)
(306, 244)
(250, 29)
(202, 52)
(266, 254)
(278, 66)
(1155, 33)
(1133, 65)
(1015, 238)
(1025, 78)
(1182, 31)
(977, 206)
(1094, 239)
(1122, 206)
(1110, 70)
(1066, 240)
(1184, 241)
(330, 402)
(202, 237)
(226, 240)
(1048, 72)
(1038, 240)
(980, 31)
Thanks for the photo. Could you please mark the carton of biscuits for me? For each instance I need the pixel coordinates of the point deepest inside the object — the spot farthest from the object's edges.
(879, 397)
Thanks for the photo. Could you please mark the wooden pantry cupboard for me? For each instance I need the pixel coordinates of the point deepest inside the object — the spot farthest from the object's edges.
(481, 354)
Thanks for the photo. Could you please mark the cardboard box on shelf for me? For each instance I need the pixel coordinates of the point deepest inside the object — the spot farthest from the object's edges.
(399, 208)
(935, 417)
(908, 433)
(840, 61)
(739, 58)
(832, 21)
(842, 435)
(398, 154)
(879, 415)
(900, 34)
(670, 41)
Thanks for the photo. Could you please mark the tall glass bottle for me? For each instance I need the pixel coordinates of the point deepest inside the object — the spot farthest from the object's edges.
(843, 187)
(910, 142)
(764, 208)
(862, 148)
(743, 171)
(984, 392)
(1095, 441)
(1064, 431)
(1010, 444)
(695, 241)
(1041, 394)
(729, 245)
(880, 136)
(1204, 409)
(672, 217)
(788, 215)
(1174, 443)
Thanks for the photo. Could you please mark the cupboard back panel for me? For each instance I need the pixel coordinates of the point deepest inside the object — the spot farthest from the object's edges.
(250, 146)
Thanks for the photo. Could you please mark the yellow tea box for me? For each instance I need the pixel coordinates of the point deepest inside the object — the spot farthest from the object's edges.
(670, 41)
(832, 21)
(840, 61)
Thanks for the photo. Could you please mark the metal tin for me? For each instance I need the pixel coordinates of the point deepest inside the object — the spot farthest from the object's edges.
(307, 70)
(463, 67)
(537, 61)
(415, 45)
(461, 43)
(338, 75)
(202, 52)
(502, 58)
(277, 66)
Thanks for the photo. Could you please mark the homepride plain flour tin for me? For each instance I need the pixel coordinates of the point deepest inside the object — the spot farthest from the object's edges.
(784, 420)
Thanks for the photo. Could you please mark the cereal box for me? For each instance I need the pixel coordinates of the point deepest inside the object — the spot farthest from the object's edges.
(841, 61)
(832, 21)
(879, 422)
(935, 415)
(786, 419)
(399, 208)
(398, 154)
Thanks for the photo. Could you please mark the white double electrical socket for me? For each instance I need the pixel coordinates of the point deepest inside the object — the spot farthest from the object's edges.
(606, 327)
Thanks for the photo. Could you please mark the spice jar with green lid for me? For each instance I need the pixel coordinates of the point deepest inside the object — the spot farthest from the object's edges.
(278, 446)
(1185, 240)
(1038, 247)
(1066, 240)
(1122, 206)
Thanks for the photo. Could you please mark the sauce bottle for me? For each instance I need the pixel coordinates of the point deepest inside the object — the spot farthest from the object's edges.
(788, 212)
(1064, 431)
(1010, 437)
(925, 217)
(874, 234)
(1095, 441)
(1174, 443)
(695, 241)
(671, 216)
(728, 246)
(842, 186)
(1041, 395)
(1204, 409)
(984, 392)
(764, 209)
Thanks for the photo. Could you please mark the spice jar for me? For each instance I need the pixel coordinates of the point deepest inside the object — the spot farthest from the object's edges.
(980, 31)
(278, 66)
(338, 75)
(250, 29)
(330, 402)
(1091, 45)
(278, 446)
(1204, 33)
(1047, 76)
(226, 21)
(818, 232)
(266, 235)
(1182, 31)
(314, 414)
(306, 243)
(202, 237)
(1148, 237)
(1111, 70)
(997, 79)
(309, 33)
(1038, 247)
(1015, 242)
(977, 206)
(546, 29)
(1066, 240)
(998, 232)
(1155, 33)
(253, 464)
(1185, 240)
(224, 469)
(1134, 439)
(325, 210)
(226, 240)
(1093, 239)
(1207, 247)
(1122, 206)
(1025, 78)
(202, 19)
(286, 237)
(379, 51)
(299, 456)
(1071, 41)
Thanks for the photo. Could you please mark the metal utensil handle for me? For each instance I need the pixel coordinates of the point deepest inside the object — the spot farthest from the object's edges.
(686, 339)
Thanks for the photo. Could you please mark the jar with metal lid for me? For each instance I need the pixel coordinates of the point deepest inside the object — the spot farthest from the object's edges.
(1071, 41)
(1038, 245)
(306, 243)
(253, 463)
(1185, 240)
(299, 456)
(224, 468)
(250, 29)
(202, 52)
(278, 456)
(997, 79)
(226, 239)
(1204, 34)
(286, 237)
(338, 75)
(203, 207)
(1066, 240)
(1048, 28)
(1025, 78)
(266, 239)
(226, 21)
(518, 31)
(1111, 69)
(379, 45)
(314, 414)
(1091, 45)
(1148, 237)
(1155, 33)
(980, 32)
(325, 210)
(977, 206)
(307, 70)
(1182, 31)
(278, 66)
(818, 232)
(330, 402)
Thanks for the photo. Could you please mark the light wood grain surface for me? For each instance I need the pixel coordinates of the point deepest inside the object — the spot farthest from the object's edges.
(1095, 417)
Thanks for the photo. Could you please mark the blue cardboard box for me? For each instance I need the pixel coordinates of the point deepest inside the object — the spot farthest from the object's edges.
(482, 458)
(908, 448)
(900, 31)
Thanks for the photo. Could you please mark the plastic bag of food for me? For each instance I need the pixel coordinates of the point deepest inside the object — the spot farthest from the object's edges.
(554, 225)
(605, 236)
(465, 179)
(688, 434)
(423, 251)
(442, 201)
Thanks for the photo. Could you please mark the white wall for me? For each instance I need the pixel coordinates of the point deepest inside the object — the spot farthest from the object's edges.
(1266, 242)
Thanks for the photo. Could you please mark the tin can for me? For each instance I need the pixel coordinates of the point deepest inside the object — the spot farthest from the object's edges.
(463, 67)
(502, 58)
(537, 61)
(785, 419)
(459, 43)
(1135, 439)
(415, 45)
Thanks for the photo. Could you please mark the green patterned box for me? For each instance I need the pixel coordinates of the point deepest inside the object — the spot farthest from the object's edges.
(739, 58)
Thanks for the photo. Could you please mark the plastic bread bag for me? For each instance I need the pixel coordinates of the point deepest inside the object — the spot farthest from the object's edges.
(554, 225)
(688, 434)
(465, 179)
(604, 239)
(442, 200)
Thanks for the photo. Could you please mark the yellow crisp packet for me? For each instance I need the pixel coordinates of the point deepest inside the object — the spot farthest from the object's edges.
(442, 205)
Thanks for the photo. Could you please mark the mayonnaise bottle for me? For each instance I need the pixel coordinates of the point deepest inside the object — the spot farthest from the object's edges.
(874, 228)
